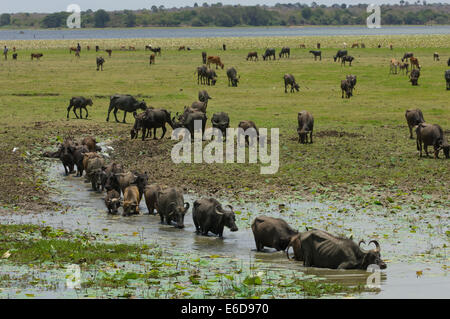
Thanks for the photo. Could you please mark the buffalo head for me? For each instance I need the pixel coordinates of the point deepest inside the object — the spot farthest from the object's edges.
(372, 257)
(228, 217)
(114, 205)
(177, 213)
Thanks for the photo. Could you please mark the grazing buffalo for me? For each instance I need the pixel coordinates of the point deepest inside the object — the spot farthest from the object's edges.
(109, 51)
(209, 216)
(187, 120)
(214, 60)
(210, 77)
(432, 134)
(221, 121)
(248, 125)
(290, 80)
(413, 118)
(407, 56)
(131, 197)
(100, 62)
(272, 232)
(203, 96)
(316, 54)
(447, 78)
(36, 56)
(182, 47)
(347, 58)
(171, 206)
(268, 54)
(317, 248)
(285, 51)
(152, 59)
(305, 126)
(79, 102)
(204, 54)
(151, 197)
(435, 56)
(156, 50)
(252, 56)
(201, 74)
(153, 119)
(126, 103)
(233, 79)
(414, 76)
(339, 55)
(112, 202)
(346, 88)
(414, 63)
(352, 80)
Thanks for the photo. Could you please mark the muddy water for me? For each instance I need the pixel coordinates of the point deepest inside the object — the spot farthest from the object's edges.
(411, 241)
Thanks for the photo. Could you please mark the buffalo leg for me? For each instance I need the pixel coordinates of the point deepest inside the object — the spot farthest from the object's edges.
(74, 111)
(410, 131)
(124, 116)
(109, 111)
(164, 131)
(68, 110)
(310, 136)
(87, 113)
(115, 114)
(143, 133)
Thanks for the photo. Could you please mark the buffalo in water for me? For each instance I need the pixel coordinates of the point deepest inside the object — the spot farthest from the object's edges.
(305, 127)
(171, 206)
(272, 232)
(317, 248)
(432, 134)
(209, 216)
(413, 118)
(126, 103)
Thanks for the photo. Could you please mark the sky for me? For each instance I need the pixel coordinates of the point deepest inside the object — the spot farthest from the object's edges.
(49, 6)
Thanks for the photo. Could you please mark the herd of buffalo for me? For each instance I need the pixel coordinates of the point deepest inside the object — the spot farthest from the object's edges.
(316, 248)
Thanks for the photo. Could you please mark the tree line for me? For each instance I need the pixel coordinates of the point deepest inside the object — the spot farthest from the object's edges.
(218, 15)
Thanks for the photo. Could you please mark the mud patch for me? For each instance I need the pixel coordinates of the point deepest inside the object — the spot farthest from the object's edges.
(35, 94)
(334, 133)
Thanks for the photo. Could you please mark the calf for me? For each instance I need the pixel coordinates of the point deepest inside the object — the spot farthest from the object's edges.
(290, 80)
(271, 232)
(414, 63)
(316, 54)
(112, 202)
(210, 216)
(36, 56)
(347, 58)
(432, 134)
(151, 197)
(214, 60)
(285, 51)
(305, 126)
(100, 62)
(252, 56)
(131, 198)
(394, 64)
(79, 102)
(413, 118)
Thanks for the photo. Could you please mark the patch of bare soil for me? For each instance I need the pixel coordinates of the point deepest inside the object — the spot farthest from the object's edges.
(334, 133)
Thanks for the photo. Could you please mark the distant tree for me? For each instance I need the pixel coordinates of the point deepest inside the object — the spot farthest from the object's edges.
(343, 6)
(306, 13)
(205, 5)
(5, 19)
(196, 5)
(101, 17)
(130, 19)
(154, 9)
(55, 20)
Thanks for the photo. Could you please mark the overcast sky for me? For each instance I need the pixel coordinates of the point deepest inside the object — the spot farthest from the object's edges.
(48, 6)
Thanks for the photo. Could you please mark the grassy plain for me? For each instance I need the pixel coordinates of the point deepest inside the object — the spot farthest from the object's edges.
(361, 151)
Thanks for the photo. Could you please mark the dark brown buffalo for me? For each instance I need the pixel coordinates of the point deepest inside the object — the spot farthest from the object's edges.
(285, 52)
(79, 102)
(203, 96)
(270, 53)
(346, 88)
(171, 206)
(126, 103)
(151, 197)
(221, 121)
(107, 172)
(209, 216)
(204, 54)
(152, 59)
(407, 56)
(100, 62)
(199, 106)
(112, 201)
(66, 155)
(339, 55)
(252, 56)
(290, 80)
(414, 76)
(272, 232)
(317, 248)
(233, 79)
(447, 78)
(78, 156)
(187, 120)
(413, 117)
(153, 119)
(91, 144)
(316, 54)
(247, 125)
(94, 171)
(36, 56)
(305, 126)
(431, 134)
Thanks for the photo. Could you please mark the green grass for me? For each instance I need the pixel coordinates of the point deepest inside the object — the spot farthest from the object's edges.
(374, 148)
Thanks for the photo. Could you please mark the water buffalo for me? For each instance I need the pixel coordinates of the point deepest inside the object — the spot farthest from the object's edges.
(285, 51)
(305, 126)
(233, 79)
(413, 118)
(414, 63)
(91, 144)
(171, 206)
(131, 198)
(120, 181)
(112, 201)
(78, 156)
(447, 78)
(272, 232)
(214, 60)
(317, 248)
(221, 121)
(210, 77)
(203, 96)
(153, 119)
(151, 197)
(204, 54)
(316, 54)
(209, 216)
(66, 153)
(94, 171)
(404, 66)
(269, 53)
(431, 134)
(407, 56)
(352, 80)
(414, 76)
(152, 59)
(187, 120)
(339, 55)
(107, 172)
(246, 125)
(199, 106)
(347, 58)
(100, 61)
(156, 50)
(137, 126)
(201, 74)
(435, 56)
(290, 80)
(347, 88)
(36, 56)
(109, 51)
(252, 56)
(79, 102)
(126, 103)
(14, 56)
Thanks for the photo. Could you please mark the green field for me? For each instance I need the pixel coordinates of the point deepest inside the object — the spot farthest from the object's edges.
(357, 142)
